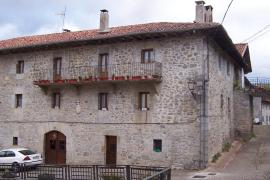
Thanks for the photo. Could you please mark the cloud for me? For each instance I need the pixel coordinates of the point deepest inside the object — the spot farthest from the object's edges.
(8, 31)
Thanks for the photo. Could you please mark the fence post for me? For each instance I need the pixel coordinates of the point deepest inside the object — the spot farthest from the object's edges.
(128, 169)
(169, 174)
(95, 171)
(67, 174)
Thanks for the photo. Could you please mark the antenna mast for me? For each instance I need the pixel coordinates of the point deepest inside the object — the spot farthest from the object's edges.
(63, 15)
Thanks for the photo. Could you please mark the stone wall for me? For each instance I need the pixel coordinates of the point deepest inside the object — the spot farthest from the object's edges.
(257, 108)
(173, 114)
(220, 99)
(243, 113)
(265, 113)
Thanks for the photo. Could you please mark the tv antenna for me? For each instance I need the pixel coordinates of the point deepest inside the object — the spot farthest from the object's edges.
(63, 15)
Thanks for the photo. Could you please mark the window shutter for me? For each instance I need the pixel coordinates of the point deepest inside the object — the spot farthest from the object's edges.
(53, 100)
(99, 101)
(140, 101)
(142, 56)
(59, 100)
(106, 100)
(17, 68)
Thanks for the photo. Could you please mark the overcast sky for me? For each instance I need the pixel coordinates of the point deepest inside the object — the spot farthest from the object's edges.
(245, 18)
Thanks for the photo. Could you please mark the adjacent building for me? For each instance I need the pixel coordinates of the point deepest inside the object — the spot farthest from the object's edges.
(148, 94)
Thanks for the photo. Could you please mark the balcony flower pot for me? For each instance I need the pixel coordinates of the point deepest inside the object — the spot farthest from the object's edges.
(119, 78)
(136, 77)
(71, 81)
(89, 79)
(103, 78)
(59, 81)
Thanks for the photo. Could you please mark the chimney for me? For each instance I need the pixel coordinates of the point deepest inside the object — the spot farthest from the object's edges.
(203, 13)
(104, 21)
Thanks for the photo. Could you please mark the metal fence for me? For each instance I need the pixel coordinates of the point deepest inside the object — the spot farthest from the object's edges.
(85, 172)
(260, 82)
(153, 69)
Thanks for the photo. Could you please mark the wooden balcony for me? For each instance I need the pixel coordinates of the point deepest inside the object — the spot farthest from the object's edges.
(83, 75)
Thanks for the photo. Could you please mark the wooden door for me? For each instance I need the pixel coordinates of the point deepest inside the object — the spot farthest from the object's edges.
(57, 65)
(55, 148)
(111, 150)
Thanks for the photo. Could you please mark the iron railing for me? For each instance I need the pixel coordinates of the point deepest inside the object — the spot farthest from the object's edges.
(129, 70)
(162, 175)
(86, 172)
(260, 82)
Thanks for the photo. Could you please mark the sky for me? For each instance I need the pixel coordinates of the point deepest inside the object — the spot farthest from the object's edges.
(244, 18)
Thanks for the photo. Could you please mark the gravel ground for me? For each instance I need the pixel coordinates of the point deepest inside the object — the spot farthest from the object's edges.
(251, 162)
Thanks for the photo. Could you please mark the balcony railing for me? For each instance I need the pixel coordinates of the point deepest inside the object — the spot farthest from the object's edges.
(86, 74)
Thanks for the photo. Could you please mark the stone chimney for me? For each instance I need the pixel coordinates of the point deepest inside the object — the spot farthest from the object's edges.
(104, 21)
(203, 13)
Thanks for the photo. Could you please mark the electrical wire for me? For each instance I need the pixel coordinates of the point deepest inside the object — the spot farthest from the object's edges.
(226, 11)
(257, 34)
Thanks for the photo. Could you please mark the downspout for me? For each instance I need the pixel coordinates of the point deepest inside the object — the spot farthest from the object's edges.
(203, 109)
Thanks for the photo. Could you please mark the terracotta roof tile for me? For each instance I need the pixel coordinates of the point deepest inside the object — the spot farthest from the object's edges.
(241, 47)
(26, 41)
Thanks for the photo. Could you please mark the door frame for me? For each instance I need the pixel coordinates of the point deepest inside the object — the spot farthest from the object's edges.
(106, 149)
(45, 144)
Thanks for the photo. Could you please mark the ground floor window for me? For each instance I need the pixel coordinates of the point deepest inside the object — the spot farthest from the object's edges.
(15, 141)
(157, 145)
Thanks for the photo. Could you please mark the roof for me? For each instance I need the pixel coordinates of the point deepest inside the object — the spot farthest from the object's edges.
(241, 47)
(95, 34)
(122, 33)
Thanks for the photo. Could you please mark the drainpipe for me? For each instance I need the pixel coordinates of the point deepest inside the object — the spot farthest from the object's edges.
(204, 110)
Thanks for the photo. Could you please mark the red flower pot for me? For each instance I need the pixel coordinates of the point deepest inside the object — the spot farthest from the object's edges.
(136, 77)
(119, 78)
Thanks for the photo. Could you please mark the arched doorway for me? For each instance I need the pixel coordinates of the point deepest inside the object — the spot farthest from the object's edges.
(55, 148)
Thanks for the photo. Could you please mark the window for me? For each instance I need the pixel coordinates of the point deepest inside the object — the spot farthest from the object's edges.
(2, 154)
(56, 97)
(147, 56)
(229, 107)
(20, 67)
(221, 102)
(15, 141)
(57, 63)
(157, 145)
(18, 100)
(228, 68)
(103, 64)
(143, 100)
(9, 154)
(103, 101)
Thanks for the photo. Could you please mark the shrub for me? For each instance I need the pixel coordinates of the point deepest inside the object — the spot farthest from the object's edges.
(226, 147)
(215, 157)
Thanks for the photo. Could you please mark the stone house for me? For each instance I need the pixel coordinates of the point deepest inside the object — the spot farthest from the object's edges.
(149, 94)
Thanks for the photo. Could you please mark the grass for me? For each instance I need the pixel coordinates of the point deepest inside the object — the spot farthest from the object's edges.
(226, 147)
(215, 157)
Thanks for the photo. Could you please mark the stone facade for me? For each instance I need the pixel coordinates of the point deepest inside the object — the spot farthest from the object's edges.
(265, 113)
(173, 115)
(243, 113)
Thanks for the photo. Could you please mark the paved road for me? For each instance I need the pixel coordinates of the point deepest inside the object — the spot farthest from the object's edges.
(252, 162)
